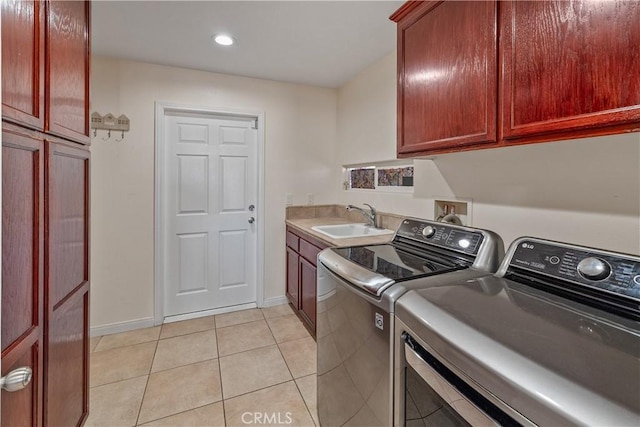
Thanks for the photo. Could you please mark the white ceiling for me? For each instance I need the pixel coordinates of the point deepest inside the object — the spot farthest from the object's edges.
(321, 43)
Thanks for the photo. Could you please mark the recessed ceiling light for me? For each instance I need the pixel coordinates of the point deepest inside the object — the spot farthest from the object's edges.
(223, 39)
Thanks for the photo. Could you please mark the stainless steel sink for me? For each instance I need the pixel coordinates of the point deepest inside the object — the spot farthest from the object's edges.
(344, 231)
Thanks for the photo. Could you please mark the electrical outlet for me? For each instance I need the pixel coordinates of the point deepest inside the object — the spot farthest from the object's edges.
(309, 198)
(288, 199)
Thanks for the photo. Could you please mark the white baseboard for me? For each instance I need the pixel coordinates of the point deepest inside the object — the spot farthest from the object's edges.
(270, 302)
(115, 328)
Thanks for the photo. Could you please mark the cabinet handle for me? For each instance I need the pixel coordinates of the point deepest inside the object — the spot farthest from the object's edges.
(16, 379)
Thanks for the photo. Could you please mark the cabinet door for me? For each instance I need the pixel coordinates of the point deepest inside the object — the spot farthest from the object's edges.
(22, 275)
(23, 62)
(293, 278)
(308, 293)
(569, 66)
(447, 76)
(67, 61)
(67, 286)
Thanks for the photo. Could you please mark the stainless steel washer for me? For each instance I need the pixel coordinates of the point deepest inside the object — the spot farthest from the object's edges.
(357, 288)
(552, 339)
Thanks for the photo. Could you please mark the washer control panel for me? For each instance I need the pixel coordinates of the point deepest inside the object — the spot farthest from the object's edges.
(438, 234)
(607, 271)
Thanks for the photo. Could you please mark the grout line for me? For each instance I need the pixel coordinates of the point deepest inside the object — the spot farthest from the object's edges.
(123, 346)
(296, 385)
(250, 349)
(260, 389)
(224, 412)
(146, 386)
(118, 381)
(181, 412)
(285, 363)
(132, 331)
(242, 324)
(187, 334)
(97, 344)
(182, 366)
(304, 400)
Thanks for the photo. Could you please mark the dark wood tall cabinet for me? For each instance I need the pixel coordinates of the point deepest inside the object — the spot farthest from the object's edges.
(45, 207)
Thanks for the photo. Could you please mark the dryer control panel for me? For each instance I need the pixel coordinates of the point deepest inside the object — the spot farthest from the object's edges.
(606, 271)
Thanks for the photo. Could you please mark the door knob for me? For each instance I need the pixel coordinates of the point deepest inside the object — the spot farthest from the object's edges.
(16, 379)
(252, 220)
(251, 207)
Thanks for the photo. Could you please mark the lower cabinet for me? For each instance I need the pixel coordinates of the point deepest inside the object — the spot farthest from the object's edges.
(302, 254)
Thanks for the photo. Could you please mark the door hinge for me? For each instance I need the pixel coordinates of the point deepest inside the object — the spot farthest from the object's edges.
(254, 125)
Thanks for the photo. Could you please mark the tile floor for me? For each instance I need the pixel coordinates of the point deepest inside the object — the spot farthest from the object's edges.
(251, 367)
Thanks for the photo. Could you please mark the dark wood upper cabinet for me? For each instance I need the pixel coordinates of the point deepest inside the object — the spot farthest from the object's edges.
(446, 75)
(67, 69)
(567, 69)
(569, 65)
(23, 62)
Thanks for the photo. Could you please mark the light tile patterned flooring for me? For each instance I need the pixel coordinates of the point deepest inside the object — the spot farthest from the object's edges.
(251, 367)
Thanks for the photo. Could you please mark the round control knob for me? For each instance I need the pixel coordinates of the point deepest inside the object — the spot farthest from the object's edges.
(428, 231)
(594, 268)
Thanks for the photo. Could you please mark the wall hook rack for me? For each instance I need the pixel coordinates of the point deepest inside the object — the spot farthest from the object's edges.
(109, 122)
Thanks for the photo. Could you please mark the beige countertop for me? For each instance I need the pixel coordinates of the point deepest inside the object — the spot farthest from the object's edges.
(304, 225)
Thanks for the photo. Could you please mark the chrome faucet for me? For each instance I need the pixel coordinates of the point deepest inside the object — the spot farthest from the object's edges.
(370, 215)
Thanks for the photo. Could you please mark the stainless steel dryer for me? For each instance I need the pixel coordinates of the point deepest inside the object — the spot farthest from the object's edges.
(357, 287)
(553, 339)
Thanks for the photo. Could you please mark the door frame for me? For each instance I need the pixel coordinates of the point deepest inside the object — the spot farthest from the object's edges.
(160, 144)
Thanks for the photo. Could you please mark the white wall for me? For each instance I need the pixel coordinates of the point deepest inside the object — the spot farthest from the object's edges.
(299, 142)
(366, 114)
(582, 191)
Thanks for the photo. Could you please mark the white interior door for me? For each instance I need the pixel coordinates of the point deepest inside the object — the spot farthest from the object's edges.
(210, 185)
